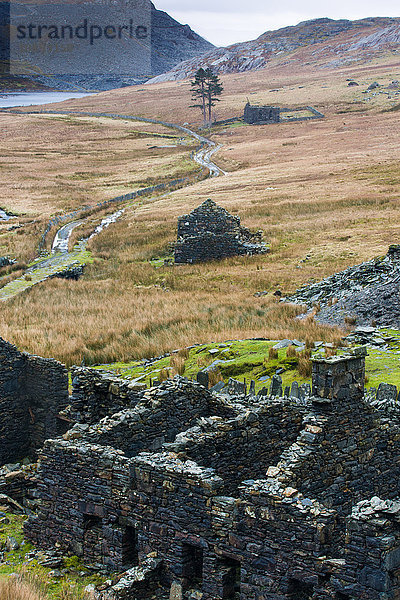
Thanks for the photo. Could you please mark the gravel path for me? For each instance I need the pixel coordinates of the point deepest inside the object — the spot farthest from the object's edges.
(61, 240)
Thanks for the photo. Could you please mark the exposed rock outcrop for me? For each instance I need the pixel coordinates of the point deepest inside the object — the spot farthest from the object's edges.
(326, 42)
(366, 293)
(171, 43)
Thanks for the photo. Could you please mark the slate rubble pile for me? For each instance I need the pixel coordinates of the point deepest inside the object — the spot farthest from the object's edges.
(73, 273)
(366, 294)
(278, 499)
(17, 481)
(211, 233)
(139, 582)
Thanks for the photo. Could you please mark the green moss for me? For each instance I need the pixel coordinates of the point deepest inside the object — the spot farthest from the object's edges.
(135, 370)
(245, 360)
(248, 359)
(161, 261)
(384, 365)
(75, 577)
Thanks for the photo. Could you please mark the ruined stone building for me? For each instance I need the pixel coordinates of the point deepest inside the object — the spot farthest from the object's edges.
(211, 233)
(267, 498)
(261, 115)
(33, 392)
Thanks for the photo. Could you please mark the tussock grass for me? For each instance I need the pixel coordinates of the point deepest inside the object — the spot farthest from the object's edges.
(272, 354)
(27, 586)
(325, 194)
(12, 588)
(57, 164)
(304, 367)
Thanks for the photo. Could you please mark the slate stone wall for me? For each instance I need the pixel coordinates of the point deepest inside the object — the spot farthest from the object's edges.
(211, 233)
(261, 114)
(293, 528)
(86, 517)
(33, 391)
(159, 415)
(373, 550)
(343, 453)
(237, 449)
(96, 395)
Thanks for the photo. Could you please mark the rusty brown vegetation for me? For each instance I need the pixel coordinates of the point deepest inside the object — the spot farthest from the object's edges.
(324, 202)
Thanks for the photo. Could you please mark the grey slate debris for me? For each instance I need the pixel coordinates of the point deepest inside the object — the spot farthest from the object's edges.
(5, 261)
(367, 293)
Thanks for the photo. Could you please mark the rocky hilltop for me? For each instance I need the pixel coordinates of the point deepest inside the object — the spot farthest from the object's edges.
(171, 43)
(320, 42)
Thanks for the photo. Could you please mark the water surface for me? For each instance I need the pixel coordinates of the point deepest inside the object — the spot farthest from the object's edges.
(4, 216)
(35, 98)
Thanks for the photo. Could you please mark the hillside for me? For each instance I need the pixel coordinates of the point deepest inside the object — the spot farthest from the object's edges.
(323, 43)
(171, 43)
(324, 193)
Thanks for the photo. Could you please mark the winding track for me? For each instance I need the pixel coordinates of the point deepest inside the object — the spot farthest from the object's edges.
(60, 258)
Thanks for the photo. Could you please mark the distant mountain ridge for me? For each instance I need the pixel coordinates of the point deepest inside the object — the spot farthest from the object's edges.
(171, 43)
(323, 42)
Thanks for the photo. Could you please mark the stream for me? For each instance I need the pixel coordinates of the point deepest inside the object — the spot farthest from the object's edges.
(4, 216)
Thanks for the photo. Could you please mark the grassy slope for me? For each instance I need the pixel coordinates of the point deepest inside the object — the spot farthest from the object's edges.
(325, 194)
(56, 164)
(73, 579)
(249, 359)
(246, 360)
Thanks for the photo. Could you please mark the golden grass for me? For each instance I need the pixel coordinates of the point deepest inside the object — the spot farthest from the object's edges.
(12, 588)
(29, 585)
(56, 164)
(325, 193)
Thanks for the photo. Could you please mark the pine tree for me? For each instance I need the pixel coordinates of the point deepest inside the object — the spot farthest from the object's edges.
(199, 90)
(214, 89)
(206, 87)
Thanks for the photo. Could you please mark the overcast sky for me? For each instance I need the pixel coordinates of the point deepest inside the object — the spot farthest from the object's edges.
(225, 22)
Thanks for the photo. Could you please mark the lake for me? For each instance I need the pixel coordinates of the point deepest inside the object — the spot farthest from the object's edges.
(35, 98)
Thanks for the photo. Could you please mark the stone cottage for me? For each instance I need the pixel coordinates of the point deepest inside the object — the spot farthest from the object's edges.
(274, 499)
(261, 115)
(211, 233)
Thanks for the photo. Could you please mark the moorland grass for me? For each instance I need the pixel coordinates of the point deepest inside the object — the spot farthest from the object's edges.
(324, 193)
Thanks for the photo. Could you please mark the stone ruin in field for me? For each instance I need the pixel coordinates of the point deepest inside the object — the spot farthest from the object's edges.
(264, 115)
(211, 233)
(210, 496)
(261, 115)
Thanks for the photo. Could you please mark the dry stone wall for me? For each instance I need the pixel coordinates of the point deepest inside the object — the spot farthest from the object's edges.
(235, 448)
(277, 502)
(159, 415)
(33, 391)
(96, 395)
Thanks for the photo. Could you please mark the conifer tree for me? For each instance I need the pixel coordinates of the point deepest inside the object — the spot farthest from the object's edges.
(206, 87)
